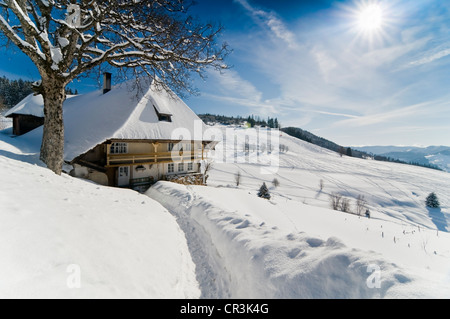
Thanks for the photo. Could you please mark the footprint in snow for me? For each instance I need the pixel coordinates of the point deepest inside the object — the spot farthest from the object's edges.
(245, 224)
(314, 242)
(294, 253)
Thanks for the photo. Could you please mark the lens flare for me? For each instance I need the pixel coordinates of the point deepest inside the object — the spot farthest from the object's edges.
(370, 18)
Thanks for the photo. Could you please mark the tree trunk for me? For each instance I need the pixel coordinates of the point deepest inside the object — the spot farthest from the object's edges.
(52, 149)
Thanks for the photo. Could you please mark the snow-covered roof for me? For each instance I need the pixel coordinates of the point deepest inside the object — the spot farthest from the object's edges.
(31, 105)
(125, 113)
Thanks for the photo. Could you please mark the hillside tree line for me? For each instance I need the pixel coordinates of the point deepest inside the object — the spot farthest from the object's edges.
(14, 91)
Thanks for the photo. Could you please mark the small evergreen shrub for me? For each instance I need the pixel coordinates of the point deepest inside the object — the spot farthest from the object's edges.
(264, 192)
(432, 201)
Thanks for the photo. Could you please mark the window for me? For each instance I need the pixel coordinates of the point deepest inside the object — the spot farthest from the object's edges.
(180, 167)
(190, 167)
(140, 168)
(123, 171)
(163, 117)
(119, 148)
(171, 168)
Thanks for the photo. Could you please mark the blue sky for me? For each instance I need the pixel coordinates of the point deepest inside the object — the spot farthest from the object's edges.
(321, 65)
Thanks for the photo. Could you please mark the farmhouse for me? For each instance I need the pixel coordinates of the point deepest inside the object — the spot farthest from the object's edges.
(129, 136)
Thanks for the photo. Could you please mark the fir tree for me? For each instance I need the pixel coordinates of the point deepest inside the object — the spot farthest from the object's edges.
(264, 192)
(432, 201)
(349, 152)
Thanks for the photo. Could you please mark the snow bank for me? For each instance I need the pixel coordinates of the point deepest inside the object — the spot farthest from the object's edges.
(255, 248)
(61, 237)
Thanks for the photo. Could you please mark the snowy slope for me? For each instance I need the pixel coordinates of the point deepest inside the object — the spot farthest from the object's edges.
(392, 189)
(253, 248)
(222, 241)
(57, 231)
(294, 246)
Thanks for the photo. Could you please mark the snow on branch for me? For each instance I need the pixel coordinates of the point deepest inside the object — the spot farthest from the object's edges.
(156, 36)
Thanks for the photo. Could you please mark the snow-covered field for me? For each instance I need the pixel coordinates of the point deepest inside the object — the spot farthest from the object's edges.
(294, 246)
(62, 237)
(222, 241)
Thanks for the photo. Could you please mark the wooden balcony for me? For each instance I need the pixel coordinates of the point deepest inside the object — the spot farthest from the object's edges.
(117, 160)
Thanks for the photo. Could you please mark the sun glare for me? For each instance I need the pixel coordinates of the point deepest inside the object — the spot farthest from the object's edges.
(370, 18)
(370, 21)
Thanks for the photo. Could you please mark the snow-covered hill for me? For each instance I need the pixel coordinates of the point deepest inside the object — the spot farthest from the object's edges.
(62, 237)
(295, 246)
(222, 241)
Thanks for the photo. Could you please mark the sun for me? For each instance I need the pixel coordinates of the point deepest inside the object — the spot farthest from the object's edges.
(370, 21)
(370, 17)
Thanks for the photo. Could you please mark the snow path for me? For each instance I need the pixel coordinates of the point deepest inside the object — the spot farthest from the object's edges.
(213, 279)
(246, 247)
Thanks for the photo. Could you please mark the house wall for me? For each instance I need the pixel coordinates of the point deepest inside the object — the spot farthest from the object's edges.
(98, 158)
(149, 171)
(90, 174)
(25, 123)
(140, 148)
(195, 168)
(96, 155)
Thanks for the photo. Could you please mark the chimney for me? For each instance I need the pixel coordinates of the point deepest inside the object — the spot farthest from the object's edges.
(106, 82)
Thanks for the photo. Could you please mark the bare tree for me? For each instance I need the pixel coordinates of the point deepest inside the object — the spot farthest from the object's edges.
(361, 204)
(276, 182)
(237, 178)
(69, 38)
(335, 201)
(207, 167)
(345, 205)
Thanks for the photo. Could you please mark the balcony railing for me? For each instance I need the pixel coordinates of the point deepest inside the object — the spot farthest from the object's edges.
(116, 160)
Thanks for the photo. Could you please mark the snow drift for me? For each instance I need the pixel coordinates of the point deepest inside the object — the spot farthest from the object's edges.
(66, 238)
(254, 248)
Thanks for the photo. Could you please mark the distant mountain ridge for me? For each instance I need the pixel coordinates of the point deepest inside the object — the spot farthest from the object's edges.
(429, 157)
(434, 155)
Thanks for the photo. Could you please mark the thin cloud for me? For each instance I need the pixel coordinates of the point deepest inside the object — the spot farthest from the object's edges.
(385, 117)
(338, 114)
(272, 21)
(230, 83)
(431, 57)
(230, 87)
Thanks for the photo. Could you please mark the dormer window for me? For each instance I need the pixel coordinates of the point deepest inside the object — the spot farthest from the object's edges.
(163, 117)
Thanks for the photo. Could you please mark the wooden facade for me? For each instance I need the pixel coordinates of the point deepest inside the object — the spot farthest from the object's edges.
(25, 123)
(137, 164)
